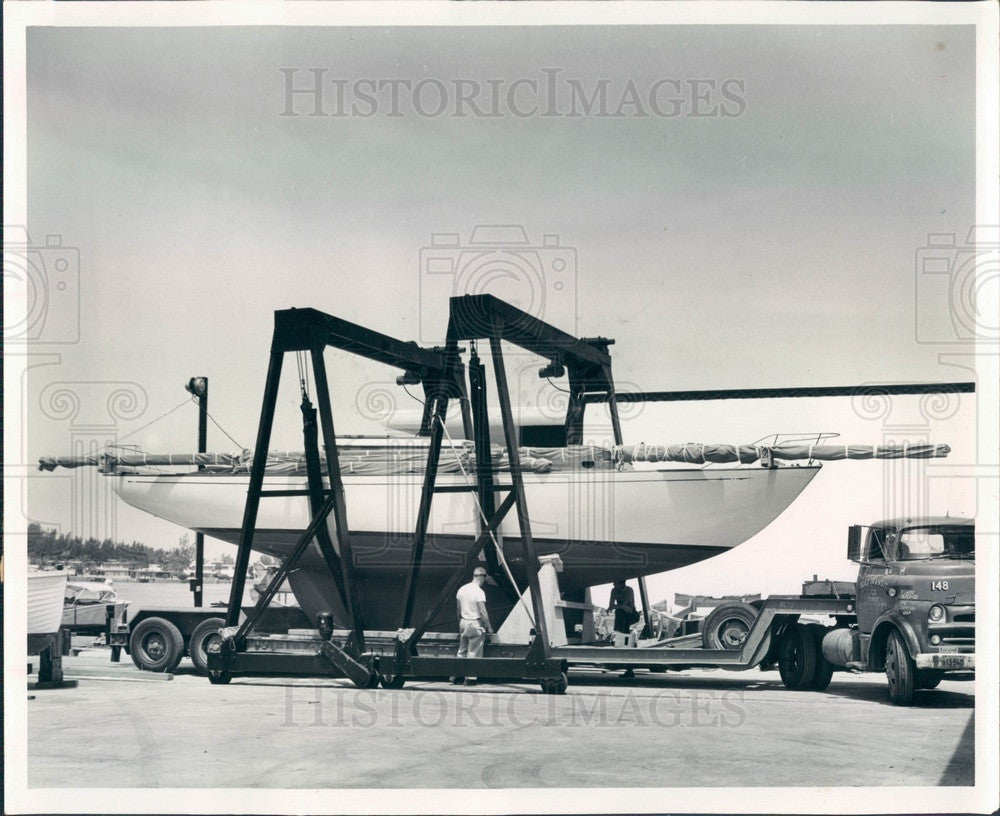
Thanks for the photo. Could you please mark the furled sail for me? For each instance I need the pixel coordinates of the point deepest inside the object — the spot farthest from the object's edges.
(696, 453)
(381, 458)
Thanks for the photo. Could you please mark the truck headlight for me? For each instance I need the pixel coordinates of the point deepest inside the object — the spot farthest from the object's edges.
(936, 613)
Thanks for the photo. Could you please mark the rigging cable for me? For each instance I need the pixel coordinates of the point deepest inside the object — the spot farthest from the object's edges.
(303, 367)
(564, 390)
(215, 422)
(157, 419)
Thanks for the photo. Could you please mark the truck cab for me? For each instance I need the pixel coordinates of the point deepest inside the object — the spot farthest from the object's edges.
(915, 599)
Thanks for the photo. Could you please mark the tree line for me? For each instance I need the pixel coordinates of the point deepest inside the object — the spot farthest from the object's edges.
(51, 546)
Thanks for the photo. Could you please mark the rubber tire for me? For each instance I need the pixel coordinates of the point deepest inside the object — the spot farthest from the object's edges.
(715, 626)
(173, 645)
(196, 645)
(797, 657)
(557, 685)
(900, 670)
(394, 682)
(824, 668)
(928, 678)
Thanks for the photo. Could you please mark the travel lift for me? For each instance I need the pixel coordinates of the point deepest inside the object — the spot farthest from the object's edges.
(367, 658)
(442, 373)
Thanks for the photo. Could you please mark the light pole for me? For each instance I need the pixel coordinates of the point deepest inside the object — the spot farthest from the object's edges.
(199, 387)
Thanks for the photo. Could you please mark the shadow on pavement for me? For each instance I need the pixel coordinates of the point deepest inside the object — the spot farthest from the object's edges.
(961, 769)
(864, 692)
(861, 692)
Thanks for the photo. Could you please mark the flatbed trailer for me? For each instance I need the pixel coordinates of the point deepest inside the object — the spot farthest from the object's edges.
(300, 651)
(781, 630)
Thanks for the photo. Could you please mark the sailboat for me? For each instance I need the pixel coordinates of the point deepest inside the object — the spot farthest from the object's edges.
(610, 513)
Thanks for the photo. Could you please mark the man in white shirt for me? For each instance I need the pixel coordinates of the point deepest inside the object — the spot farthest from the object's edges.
(473, 620)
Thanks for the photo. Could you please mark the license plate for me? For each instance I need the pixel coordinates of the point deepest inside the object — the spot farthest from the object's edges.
(950, 662)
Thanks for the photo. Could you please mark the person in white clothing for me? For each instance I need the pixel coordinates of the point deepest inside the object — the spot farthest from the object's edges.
(473, 620)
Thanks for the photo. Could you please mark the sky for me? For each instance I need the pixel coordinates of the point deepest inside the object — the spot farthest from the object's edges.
(780, 244)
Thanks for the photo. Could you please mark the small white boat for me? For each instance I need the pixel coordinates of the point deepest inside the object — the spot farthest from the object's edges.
(86, 604)
(46, 591)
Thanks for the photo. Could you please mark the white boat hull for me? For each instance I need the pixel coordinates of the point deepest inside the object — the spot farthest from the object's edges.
(46, 591)
(604, 524)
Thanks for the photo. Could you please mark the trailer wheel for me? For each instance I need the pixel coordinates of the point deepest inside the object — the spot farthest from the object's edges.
(156, 645)
(928, 678)
(824, 668)
(727, 626)
(555, 685)
(899, 670)
(797, 657)
(205, 633)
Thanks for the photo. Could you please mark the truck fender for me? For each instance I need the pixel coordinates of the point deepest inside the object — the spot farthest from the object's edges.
(880, 635)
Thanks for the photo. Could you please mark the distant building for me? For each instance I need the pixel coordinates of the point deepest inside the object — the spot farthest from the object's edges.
(154, 572)
(115, 570)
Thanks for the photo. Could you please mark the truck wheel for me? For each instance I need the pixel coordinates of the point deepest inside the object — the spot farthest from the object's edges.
(899, 670)
(824, 668)
(156, 645)
(797, 657)
(928, 678)
(205, 633)
(727, 626)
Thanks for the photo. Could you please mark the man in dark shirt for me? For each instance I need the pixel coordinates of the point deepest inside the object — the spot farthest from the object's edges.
(623, 605)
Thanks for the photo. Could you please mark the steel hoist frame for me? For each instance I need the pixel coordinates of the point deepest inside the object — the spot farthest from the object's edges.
(442, 373)
(312, 331)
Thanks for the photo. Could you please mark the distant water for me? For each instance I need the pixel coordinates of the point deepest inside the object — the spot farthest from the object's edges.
(173, 593)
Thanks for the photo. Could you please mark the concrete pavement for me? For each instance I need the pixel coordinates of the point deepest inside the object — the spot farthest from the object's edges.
(125, 728)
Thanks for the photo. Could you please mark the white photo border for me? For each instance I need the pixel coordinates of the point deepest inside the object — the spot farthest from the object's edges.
(982, 798)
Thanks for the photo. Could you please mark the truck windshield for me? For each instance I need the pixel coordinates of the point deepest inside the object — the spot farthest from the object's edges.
(917, 543)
